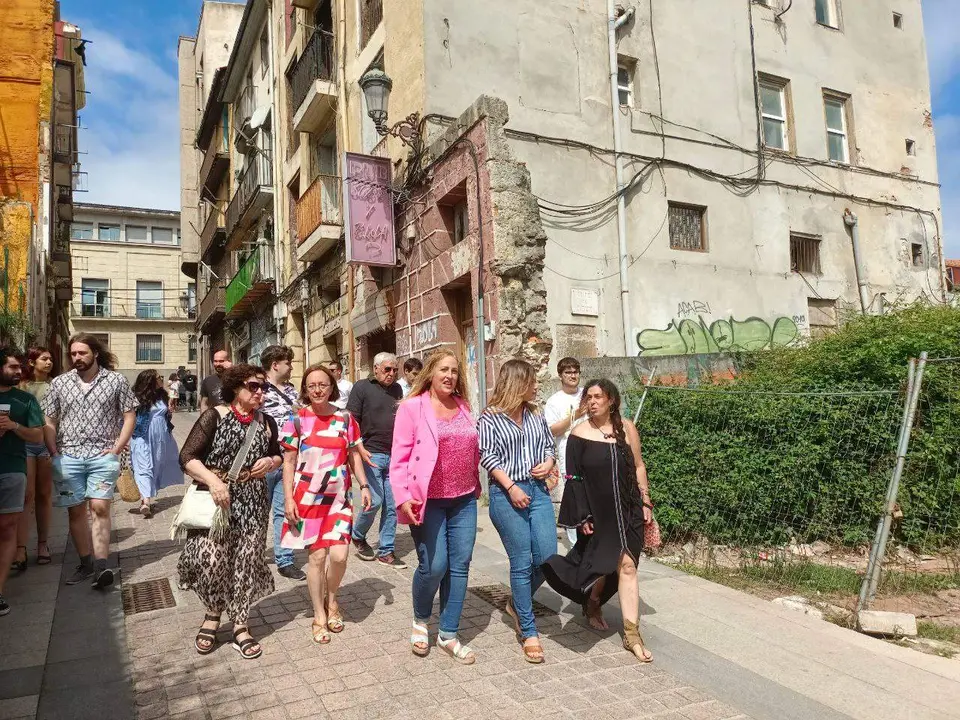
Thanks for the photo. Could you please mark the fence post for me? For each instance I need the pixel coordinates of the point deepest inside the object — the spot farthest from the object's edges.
(871, 581)
(643, 397)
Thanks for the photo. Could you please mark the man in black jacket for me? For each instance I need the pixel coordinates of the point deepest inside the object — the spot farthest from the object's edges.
(373, 403)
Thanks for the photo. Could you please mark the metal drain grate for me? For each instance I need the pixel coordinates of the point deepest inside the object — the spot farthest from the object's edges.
(146, 596)
(499, 595)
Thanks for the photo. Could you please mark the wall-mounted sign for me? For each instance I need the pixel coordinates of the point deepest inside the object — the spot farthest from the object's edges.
(584, 301)
(369, 228)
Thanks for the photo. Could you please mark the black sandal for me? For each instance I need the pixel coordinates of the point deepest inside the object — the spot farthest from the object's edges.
(207, 634)
(43, 559)
(18, 567)
(243, 646)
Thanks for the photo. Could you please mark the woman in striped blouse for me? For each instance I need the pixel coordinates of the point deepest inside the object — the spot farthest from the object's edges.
(516, 449)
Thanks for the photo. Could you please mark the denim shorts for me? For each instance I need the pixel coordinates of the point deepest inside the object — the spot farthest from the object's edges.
(37, 450)
(13, 488)
(78, 479)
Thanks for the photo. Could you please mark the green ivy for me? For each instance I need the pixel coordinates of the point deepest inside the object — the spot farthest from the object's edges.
(747, 464)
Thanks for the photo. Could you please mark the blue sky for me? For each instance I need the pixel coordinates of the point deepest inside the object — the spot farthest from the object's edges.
(133, 152)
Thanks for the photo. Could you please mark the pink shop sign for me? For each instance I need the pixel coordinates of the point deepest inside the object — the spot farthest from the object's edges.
(370, 229)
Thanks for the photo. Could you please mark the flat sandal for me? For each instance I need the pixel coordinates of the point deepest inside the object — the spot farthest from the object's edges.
(207, 634)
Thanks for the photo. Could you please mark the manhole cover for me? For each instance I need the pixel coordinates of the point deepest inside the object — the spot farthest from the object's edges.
(499, 595)
(146, 596)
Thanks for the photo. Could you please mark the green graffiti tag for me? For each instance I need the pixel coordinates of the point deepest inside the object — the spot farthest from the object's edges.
(696, 337)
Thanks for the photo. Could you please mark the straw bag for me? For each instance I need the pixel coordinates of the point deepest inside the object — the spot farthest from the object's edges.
(126, 484)
(198, 511)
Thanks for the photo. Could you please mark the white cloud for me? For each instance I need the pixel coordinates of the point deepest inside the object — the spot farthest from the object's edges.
(132, 141)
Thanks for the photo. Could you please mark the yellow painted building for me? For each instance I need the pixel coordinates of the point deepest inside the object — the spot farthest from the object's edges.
(129, 289)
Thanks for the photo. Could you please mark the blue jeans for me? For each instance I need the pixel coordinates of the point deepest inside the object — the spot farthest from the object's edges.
(283, 556)
(378, 478)
(444, 543)
(529, 536)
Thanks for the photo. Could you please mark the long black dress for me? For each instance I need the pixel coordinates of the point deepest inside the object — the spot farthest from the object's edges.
(601, 487)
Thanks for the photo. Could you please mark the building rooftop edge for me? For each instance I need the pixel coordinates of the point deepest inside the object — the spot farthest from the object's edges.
(124, 209)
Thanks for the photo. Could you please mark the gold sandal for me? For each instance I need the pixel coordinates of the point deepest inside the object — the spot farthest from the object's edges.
(335, 622)
(633, 641)
(320, 634)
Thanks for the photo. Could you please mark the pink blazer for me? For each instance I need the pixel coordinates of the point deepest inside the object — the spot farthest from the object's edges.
(414, 453)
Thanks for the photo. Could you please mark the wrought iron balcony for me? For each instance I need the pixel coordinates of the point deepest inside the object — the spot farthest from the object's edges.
(253, 281)
(213, 237)
(316, 63)
(254, 192)
(63, 144)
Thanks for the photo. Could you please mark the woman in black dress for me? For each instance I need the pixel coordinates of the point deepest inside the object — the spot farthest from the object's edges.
(606, 498)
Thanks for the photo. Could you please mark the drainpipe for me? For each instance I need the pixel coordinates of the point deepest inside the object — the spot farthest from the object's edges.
(275, 171)
(613, 24)
(305, 304)
(852, 222)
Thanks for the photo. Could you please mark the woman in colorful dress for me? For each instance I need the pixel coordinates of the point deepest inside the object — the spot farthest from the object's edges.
(607, 499)
(321, 456)
(153, 451)
(230, 573)
(39, 497)
(435, 479)
(516, 448)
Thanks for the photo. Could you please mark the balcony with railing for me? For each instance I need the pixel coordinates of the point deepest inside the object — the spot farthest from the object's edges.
(319, 219)
(63, 144)
(313, 84)
(254, 193)
(253, 281)
(246, 104)
(213, 237)
(126, 309)
(371, 15)
(216, 160)
(211, 310)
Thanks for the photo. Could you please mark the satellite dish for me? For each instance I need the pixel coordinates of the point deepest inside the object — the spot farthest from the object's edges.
(259, 116)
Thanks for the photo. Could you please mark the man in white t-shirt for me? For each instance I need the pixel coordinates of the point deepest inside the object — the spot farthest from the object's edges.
(562, 413)
(343, 385)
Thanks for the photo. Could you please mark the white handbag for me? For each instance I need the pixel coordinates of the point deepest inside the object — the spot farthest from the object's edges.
(198, 511)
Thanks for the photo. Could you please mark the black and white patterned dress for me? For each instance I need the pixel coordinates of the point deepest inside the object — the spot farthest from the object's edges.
(230, 576)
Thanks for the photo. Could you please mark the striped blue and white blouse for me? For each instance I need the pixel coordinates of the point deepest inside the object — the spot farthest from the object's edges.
(514, 450)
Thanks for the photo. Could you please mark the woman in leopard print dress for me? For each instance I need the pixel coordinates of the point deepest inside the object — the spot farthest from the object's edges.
(231, 575)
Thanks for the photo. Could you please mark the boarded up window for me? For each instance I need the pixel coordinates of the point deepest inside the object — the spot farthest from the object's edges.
(823, 316)
(687, 227)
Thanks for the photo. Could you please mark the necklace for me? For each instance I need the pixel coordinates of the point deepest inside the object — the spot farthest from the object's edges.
(606, 435)
(243, 418)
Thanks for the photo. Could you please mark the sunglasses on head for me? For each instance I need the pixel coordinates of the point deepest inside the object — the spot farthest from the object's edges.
(254, 387)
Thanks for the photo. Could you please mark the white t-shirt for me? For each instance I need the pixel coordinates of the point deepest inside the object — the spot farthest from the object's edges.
(559, 407)
(404, 385)
(344, 386)
(175, 388)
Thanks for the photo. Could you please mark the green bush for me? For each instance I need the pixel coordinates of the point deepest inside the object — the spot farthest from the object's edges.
(749, 464)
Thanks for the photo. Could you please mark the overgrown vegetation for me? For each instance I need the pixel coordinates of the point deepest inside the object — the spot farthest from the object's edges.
(937, 631)
(746, 464)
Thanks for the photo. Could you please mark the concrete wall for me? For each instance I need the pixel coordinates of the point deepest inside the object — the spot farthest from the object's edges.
(550, 63)
(122, 264)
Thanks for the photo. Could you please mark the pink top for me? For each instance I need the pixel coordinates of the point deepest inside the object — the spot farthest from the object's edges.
(455, 473)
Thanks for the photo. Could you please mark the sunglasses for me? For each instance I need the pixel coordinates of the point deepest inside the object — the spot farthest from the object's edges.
(389, 369)
(255, 387)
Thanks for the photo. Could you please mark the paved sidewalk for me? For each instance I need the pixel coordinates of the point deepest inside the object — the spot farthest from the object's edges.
(719, 653)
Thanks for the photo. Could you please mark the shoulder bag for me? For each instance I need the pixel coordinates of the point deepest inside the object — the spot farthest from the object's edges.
(198, 511)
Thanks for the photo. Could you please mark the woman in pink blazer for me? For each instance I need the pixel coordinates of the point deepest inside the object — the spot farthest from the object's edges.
(434, 473)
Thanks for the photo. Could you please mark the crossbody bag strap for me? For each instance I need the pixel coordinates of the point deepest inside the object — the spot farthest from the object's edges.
(244, 450)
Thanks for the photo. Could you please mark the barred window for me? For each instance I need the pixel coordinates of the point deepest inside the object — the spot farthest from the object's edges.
(149, 348)
(688, 227)
(804, 254)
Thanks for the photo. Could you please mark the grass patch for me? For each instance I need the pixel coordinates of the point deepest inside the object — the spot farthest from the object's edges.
(936, 631)
(808, 577)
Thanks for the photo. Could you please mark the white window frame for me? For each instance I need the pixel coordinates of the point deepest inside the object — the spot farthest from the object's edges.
(844, 132)
(85, 226)
(118, 227)
(780, 86)
(146, 302)
(105, 305)
(833, 14)
(627, 65)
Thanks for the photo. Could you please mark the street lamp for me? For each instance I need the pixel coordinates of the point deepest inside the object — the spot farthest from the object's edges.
(376, 86)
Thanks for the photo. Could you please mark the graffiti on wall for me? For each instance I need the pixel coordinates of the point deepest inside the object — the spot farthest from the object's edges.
(691, 336)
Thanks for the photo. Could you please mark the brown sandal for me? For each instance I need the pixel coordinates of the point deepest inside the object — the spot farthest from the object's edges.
(633, 641)
(533, 653)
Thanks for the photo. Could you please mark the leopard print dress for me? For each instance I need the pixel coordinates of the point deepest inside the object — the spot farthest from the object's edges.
(230, 576)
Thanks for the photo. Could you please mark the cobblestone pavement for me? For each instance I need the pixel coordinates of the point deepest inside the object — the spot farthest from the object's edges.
(368, 671)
